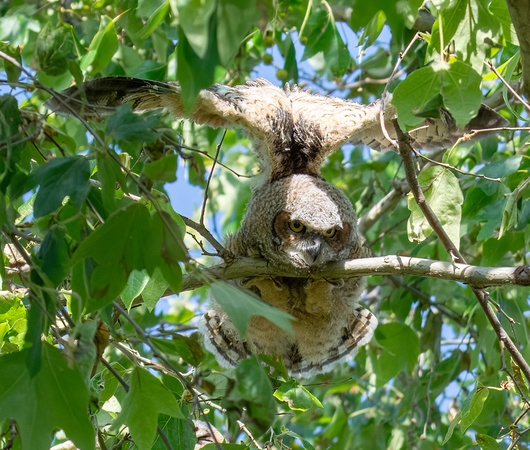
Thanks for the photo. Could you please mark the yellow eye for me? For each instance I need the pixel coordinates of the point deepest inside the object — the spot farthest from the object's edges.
(296, 226)
(330, 233)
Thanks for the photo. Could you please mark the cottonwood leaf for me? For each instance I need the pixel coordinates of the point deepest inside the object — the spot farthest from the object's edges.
(136, 283)
(473, 406)
(242, 305)
(444, 196)
(415, 93)
(234, 21)
(102, 48)
(54, 398)
(486, 442)
(58, 178)
(461, 92)
(297, 396)
(401, 348)
(146, 399)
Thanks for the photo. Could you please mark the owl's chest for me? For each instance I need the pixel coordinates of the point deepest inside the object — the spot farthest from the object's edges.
(297, 296)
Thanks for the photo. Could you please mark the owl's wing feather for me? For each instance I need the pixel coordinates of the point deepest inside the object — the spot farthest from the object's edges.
(251, 106)
(343, 121)
(229, 349)
(222, 340)
(358, 332)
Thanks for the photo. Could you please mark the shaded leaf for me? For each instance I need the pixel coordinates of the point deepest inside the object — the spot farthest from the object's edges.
(58, 178)
(146, 399)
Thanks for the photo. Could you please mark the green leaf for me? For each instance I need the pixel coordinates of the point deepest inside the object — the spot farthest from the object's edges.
(146, 399)
(401, 348)
(124, 125)
(154, 20)
(510, 209)
(486, 442)
(452, 427)
(414, 93)
(109, 174)
(48, 49)
(55, 255)
(307, 445)
(193, 71)
(13, 72)
(54, 398)
(297, 396)
(136, 283)
(163, 169)
(461, 92)
(120, 240)
(325, 38)
(444, 196)
(182, 346)
(473, 406)
(194, 19)
(154, 289)
(234, 21)
(58, 178)
(242, 305)
(253, 383)
(102, 48)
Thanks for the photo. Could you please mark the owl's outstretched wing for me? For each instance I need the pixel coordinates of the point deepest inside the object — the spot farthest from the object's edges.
(344, 121)
(252, 106)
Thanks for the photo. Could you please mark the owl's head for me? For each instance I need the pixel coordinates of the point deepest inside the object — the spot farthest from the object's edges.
(301, 221)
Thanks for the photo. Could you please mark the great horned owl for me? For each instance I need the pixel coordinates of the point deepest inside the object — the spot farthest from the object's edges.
(295, 219)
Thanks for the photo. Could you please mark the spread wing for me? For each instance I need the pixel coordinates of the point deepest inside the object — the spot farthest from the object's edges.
(252, 106)
(343, 121)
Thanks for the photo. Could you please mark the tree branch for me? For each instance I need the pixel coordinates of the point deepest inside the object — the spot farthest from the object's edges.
(381, 265)
(520, 14)
(406, 152)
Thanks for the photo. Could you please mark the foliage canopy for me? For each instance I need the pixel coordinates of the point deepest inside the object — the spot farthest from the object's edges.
(89, 231)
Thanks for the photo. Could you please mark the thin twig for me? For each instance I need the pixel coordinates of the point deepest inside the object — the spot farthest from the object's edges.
(203, 209)
(450, 167)
(385, 90)
(203, 231)
(490, 65)
(243, 428)
(514, 381)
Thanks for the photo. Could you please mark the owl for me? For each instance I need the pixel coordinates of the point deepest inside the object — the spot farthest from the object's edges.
(295, 219)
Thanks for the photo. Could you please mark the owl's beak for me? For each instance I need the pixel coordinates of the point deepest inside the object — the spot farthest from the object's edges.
(313, 250)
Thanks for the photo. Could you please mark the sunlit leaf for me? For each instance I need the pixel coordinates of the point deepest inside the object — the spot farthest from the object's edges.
(242, 305)
(55, 397)
(444, 195)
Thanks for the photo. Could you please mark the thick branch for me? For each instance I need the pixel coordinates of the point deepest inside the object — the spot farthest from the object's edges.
(520, 14)
(406, 151)
(382, 265)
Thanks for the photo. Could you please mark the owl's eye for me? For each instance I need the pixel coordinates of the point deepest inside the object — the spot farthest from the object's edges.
(296, 226)
(330, 233)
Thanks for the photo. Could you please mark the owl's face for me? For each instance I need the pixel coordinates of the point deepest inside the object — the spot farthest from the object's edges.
(300, 221)
(307, 245)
